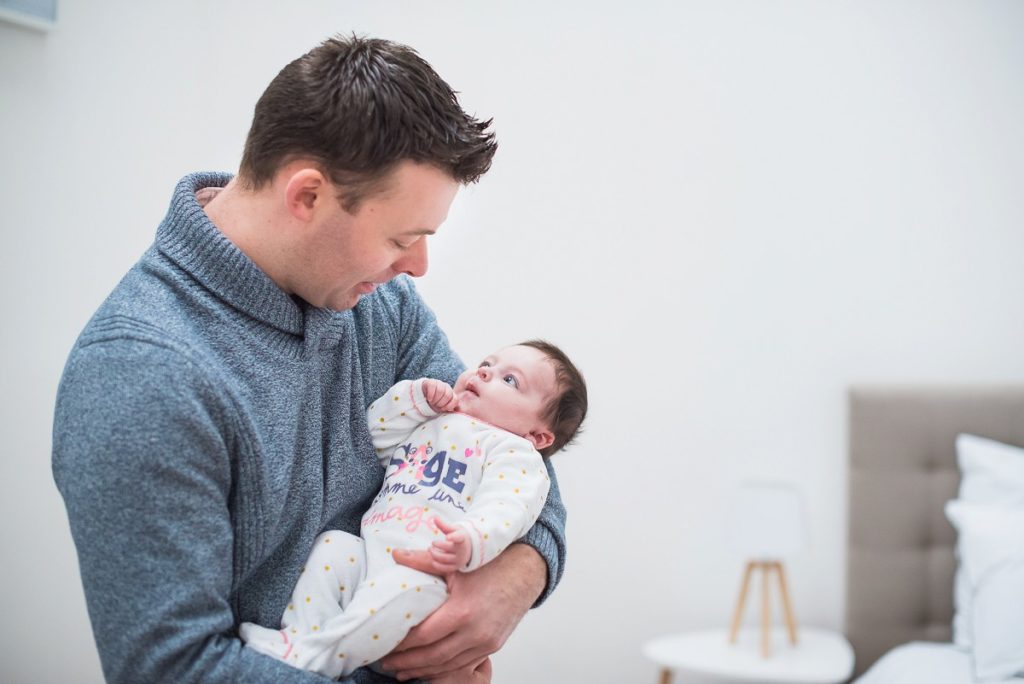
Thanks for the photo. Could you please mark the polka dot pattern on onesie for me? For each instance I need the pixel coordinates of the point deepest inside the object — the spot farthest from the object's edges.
(513, 482)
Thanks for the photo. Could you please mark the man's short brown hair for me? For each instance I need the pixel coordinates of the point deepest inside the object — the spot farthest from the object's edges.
(565, 411)
(357, 107)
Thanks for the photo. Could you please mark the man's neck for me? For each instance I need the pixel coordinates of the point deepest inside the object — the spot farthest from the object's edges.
(246, 219)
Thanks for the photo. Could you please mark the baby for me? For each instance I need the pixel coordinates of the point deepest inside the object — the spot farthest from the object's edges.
(465, 477)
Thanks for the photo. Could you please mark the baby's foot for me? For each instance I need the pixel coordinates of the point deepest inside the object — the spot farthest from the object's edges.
(272, 642)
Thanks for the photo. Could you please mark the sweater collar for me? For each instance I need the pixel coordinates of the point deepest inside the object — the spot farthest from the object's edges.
(189, 239)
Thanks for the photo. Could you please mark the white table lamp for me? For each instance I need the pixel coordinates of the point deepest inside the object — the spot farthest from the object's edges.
(768, 526)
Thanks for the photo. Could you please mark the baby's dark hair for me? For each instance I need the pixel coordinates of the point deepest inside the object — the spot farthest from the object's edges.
(565, 412)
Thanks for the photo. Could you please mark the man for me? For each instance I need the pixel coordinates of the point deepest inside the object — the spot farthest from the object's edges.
(210, 421)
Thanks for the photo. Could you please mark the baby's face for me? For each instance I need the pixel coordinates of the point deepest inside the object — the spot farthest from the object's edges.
(510, 389)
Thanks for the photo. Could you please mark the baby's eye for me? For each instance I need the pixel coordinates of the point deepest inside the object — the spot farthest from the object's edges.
(484, 363)
(511, 380)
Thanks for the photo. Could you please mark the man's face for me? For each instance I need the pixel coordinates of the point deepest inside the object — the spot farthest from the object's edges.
(349, 254)
(509, 389)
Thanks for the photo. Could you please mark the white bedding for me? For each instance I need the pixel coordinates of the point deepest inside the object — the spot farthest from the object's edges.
(921, 662)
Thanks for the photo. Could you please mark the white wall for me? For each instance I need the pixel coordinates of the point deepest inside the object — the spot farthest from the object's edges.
(726, 211)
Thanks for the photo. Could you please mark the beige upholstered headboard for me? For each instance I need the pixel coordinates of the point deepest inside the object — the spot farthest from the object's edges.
(903, 469)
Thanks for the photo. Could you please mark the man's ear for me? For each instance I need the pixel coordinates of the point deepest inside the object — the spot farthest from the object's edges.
(541, 438)
(304, 191)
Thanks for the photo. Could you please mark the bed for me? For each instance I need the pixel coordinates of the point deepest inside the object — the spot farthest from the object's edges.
(900, 560)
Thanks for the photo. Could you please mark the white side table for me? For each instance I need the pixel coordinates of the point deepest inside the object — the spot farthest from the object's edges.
(820, 657)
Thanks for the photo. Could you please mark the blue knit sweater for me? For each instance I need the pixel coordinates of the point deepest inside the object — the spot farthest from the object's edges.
(208, 426)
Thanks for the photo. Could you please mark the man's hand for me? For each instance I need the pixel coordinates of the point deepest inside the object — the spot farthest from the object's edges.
(450, 554)
(482, 609)
(440, 395)
(481, 674)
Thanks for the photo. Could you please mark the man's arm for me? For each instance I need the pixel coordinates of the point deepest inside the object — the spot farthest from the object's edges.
(141, 460)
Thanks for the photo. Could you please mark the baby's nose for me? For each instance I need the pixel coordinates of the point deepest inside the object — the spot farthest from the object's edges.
(484, 372)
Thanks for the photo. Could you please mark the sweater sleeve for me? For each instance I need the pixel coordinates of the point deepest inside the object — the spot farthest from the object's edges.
(508, 500)
(141, 458)
(423, 351)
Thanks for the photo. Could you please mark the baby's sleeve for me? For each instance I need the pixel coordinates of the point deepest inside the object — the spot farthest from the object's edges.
(508, 501)
(397, 413)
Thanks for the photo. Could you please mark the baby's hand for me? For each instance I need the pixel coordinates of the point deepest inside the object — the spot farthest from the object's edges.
(439, 395)
(452, 553)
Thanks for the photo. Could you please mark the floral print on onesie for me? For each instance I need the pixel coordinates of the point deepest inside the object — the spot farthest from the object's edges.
(465, 471)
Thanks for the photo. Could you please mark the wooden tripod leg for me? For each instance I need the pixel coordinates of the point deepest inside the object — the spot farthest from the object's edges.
(737, 615)
(666, 676)
(787, 607)
(766, 610)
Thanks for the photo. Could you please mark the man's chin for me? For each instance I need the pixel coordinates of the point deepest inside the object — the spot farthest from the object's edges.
(339, 304)
(352, 297)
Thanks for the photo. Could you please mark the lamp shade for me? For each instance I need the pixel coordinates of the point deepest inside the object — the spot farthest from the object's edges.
(768, 520)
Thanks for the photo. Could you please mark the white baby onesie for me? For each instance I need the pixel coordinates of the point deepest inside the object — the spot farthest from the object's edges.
(352, 607)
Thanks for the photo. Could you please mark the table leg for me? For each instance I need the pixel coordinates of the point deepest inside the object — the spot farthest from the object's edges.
(787, 606)
(737, 615)
(766, 611)
(666, 676)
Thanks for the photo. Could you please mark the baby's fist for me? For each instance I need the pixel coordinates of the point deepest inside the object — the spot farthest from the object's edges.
(439, 395)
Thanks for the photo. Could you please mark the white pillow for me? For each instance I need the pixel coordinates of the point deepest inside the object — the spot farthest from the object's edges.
(998, 626)
(991, 551)
(992, 474)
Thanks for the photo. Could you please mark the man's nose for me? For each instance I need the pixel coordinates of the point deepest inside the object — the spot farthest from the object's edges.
(414, 260)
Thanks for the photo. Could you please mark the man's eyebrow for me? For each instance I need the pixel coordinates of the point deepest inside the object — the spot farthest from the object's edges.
(422, 231)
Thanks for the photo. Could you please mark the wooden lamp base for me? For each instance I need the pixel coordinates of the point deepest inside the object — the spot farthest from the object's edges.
(766, 568)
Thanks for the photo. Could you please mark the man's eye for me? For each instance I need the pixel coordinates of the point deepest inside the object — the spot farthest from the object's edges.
(511, 380)
(400, 245)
